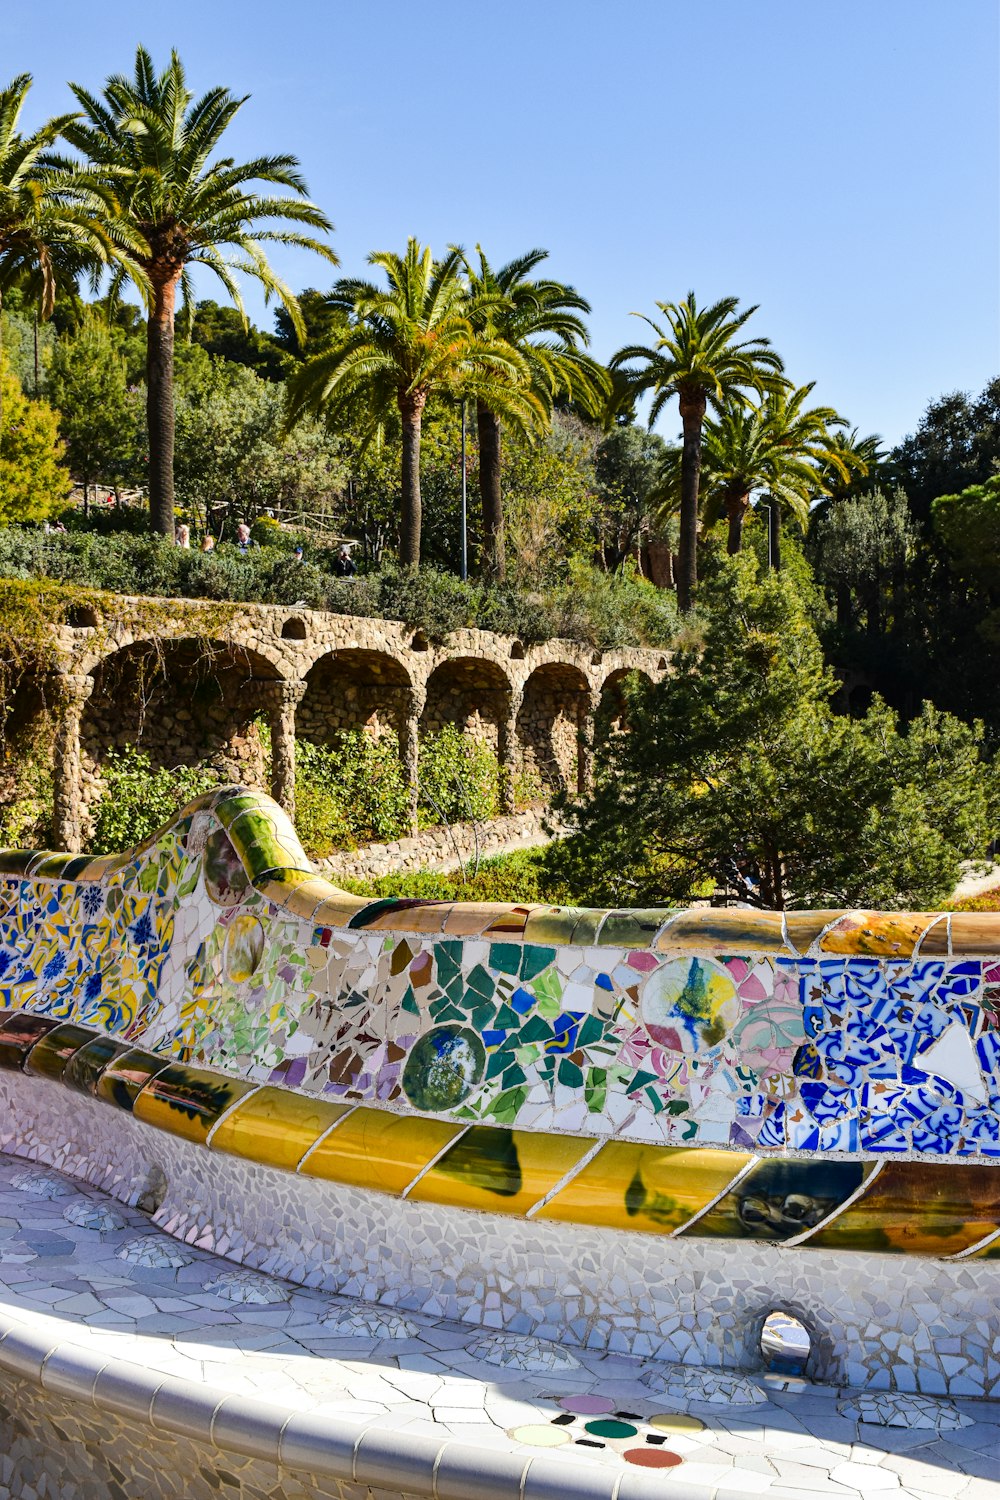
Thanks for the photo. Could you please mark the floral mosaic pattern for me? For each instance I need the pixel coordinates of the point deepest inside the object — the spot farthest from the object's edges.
(220, 974)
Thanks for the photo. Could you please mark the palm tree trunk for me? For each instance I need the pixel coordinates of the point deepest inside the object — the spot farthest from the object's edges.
(692, 418)
(411, 408)
(494, 550)
(774, 530)
(736, 510)
(160, 403)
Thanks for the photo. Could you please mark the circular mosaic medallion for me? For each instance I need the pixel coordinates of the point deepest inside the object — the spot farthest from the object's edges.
(652, 1458)
(689, 1004)
(88, 1214)
(225, 878)
(669, 1421)
(244, 947)
(443, 1068)
(587, 1406)
(611, 1429)
(540, 1435)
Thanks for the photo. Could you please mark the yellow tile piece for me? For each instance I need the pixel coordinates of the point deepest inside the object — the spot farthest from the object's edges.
(502, 1171)
(654, 1189)
(376, 1149)
(276, 1127)
(188, 1101)
(804, 927)
(881, 934)
(720, 931)
(974, 932)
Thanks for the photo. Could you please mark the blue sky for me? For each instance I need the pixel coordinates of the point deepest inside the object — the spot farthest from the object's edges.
(838, 164)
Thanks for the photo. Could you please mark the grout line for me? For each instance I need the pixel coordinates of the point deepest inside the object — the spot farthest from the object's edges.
(434, 1160)
(859, 1192)
(231, 1109)
(567, 1177)
(747, 1167)
(328, 1131)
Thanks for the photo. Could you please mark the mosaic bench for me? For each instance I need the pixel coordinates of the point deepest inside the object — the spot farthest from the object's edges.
(639, 1131)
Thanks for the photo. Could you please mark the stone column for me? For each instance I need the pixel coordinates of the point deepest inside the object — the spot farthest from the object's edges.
(285, 699)
(69, 692)
(507, 749)
(409, 748)
(587, 708)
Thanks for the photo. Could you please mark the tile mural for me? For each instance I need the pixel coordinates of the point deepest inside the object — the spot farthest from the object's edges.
(806, 1078)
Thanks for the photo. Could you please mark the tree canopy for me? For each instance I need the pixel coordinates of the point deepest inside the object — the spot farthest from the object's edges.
(738, 773)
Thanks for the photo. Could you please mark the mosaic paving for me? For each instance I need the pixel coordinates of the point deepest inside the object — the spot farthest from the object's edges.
(424, 1388)
(811, 1078)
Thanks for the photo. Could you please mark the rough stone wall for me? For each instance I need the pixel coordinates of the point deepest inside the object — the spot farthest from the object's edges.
(440, 849)
(342, 671)
(548, 737)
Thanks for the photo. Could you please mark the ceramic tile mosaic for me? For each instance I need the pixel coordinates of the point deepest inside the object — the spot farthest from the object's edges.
(155, 1385)
(912, 1325)
(715, 1039)
(387, 1098)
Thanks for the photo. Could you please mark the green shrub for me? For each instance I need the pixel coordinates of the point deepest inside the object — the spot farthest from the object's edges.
(522, 876)
(136, 799)
(26, 794)
(350, 793)
(596, 608)
(459, 779)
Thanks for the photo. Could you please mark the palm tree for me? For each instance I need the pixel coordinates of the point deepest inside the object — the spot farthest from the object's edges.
(697, 358)
(805, 431)
(48, 230)
(403, 343)
(539, 320)
(151, 144)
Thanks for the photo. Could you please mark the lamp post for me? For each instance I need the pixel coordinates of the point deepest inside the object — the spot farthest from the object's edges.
(464, 562)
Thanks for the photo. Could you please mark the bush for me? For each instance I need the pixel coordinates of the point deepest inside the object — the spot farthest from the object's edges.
(596, 608)
(26, 794)
(519, 877)
(136, 799)
(352, 793)
(459, 779)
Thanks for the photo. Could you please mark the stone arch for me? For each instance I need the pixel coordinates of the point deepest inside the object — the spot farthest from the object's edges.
(551, 724)
(612, 710)
(472, 692)
(352, 688)
(183, 701)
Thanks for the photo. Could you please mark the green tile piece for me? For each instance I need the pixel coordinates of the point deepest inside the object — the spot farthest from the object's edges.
(497, 1062)
(512, 1076)
(534, 959)
(570, 1075)
(535, 1030)
(409, 1003)
(639, 1081)
(552, 925)
(591, 1031)
(482, 982)
(506, 957)
(448, 959)
(507, 1106)
(508, 1018)
(631, 929)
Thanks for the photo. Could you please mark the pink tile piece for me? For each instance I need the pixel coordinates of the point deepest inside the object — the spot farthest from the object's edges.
(752, 989)
(586, 1406)
(644, 961)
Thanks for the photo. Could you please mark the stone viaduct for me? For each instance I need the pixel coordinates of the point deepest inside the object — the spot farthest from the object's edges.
(190, 692)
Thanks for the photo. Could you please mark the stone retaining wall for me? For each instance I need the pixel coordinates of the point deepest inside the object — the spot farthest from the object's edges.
(188, 681)
(439, 849)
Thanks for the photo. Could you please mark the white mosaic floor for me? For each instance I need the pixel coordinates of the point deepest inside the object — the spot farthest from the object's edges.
(86, 1271)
